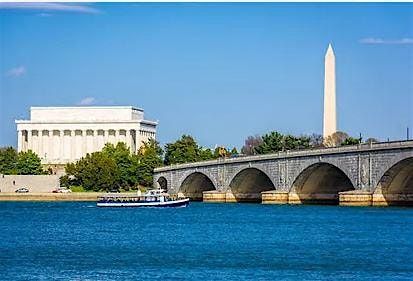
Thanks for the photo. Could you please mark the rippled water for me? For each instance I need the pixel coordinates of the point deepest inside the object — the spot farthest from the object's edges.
(77, 241)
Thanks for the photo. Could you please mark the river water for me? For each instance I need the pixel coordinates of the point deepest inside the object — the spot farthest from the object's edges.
(78, 241)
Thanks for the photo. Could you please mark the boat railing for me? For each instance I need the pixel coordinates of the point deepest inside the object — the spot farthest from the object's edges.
(138, 197)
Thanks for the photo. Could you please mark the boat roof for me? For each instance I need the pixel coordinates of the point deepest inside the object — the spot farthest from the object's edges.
(149, 193)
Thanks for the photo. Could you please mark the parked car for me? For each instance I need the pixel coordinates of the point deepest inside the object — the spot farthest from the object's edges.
(62, 190)
(22, 190)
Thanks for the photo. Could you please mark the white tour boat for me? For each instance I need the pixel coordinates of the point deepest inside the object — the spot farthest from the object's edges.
(152, 198)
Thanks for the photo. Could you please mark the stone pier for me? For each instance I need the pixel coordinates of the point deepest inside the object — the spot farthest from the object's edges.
(400, 199)
(214, 196)
(347, 198)
(312, 198)
(229, 197)
(274, 197)
(355, 198)
(365, 198)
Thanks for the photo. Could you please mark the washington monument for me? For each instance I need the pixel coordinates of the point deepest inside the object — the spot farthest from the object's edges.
(329, 122)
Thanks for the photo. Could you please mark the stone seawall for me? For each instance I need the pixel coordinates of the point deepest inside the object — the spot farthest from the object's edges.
(35, 183)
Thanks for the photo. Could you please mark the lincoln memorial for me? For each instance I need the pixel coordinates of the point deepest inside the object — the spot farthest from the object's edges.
(64, 134)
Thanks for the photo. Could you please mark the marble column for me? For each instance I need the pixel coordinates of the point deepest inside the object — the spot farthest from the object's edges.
(134, 134)
(129, 139)
(72, 145)
(122, 136)
(105, 137)
(29, 140)
(62, 144)
(56, 144)
(19, 140)
(35, 141)
(40, 143)
(95, 140)
(112, 136)
(100, 139)
(50, 145)
(65, 148)
(84, 143)
(90, 141)
(45, 139)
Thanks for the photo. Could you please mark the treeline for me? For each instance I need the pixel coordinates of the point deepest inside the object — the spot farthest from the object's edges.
(274, 142)
(23, 163)
(186, 150)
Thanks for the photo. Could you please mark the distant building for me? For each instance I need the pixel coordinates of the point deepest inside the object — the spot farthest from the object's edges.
(64, 134)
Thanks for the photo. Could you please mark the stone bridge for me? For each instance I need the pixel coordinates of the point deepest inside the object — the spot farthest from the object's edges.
(365, 174)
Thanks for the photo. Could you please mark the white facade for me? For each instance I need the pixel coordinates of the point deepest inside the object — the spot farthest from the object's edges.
(61, 135)
(330, 118)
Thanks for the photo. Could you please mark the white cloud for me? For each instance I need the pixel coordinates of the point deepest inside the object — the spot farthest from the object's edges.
(16, 71)
(87, 101)
(371, 40)
(50, 7)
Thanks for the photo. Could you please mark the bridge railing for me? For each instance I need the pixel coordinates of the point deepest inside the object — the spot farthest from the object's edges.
(293, 153)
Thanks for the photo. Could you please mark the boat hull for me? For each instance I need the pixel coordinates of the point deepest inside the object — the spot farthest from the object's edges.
(167, 204)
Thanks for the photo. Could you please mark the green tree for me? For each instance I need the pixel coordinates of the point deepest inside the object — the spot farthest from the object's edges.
(123, 159)
(290, 142)
(8, 161)
(148, 158)
(272, 142)
(234, 151)
(69, 178)
(183, 150)
(206, 154)
(350, 141)
(304, 142)
(95, 172)
(28, 163)
(275, 141)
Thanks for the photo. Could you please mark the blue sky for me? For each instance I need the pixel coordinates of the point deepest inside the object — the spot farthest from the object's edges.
(217, 71)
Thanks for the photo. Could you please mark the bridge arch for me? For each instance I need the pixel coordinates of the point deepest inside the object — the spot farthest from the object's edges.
(248, 183)
(163, 183)
(320, 183)
(195, 184)
(396, 183)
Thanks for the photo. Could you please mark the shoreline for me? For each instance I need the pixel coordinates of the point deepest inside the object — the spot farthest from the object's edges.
(48, 196)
